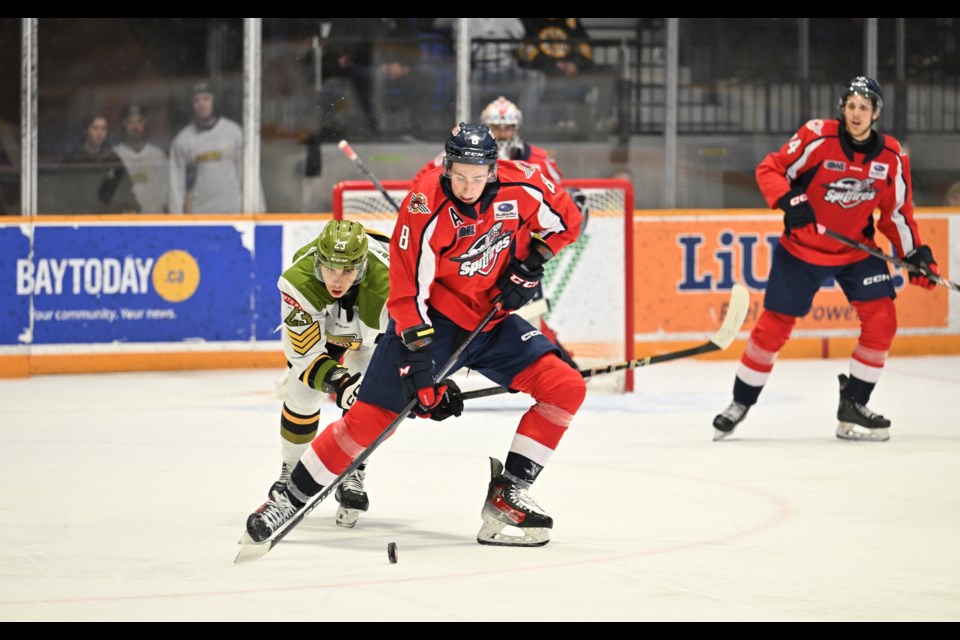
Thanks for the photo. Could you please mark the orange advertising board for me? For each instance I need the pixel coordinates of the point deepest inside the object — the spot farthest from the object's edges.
(686, 262)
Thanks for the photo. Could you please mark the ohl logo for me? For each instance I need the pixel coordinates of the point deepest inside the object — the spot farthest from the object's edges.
(701, 274)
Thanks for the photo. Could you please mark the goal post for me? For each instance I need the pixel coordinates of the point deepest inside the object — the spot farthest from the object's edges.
(589, 284)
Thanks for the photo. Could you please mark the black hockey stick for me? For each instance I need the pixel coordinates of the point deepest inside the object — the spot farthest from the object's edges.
(347, 149)
(883, 256)
(736, 313)
(250, 550)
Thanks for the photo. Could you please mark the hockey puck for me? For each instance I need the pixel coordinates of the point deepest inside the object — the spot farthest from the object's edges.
(392, 552)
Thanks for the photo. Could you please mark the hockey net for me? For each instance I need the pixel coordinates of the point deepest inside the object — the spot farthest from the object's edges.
(589, 284)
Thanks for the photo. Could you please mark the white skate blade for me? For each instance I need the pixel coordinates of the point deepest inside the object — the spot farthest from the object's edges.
(853, 431)
(493, 532)
(347, 518)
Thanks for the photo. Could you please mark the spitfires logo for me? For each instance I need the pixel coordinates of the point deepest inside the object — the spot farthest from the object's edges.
(483, 253)
(418, 203)
(849, 192)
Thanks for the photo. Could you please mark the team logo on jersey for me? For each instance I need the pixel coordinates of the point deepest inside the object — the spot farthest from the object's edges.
(879, 170)
(290, 300)
(482, 255)
(849, 192)
(835, 165)
(816, 126)
(506, 210)
(418, 203)
(526, 167)
(348, 341)
(467, 231)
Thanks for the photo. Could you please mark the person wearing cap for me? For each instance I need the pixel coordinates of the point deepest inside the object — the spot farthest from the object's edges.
(834, 174)
(146, 163)
(206, 161)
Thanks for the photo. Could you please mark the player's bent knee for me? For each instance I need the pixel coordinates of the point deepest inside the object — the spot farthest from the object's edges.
(551, 381)
(878, 322)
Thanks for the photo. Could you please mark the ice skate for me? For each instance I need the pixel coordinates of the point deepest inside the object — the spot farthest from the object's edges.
(265, 521)
(281, 483)
(352, 498)
(509, 505)
(857, 422)
(726, 422)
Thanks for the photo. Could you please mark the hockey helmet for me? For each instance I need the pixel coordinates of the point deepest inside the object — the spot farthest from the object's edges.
(862, 86)
(471, 144)
(501, 111)
(342, 245)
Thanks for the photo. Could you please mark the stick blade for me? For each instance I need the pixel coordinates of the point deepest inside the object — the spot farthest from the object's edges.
(250, 550)
(736, 315)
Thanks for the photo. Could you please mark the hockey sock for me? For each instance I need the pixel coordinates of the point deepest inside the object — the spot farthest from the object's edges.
(878, 326)
(767, 338)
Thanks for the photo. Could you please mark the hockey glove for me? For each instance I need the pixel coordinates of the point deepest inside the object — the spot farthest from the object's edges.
(347, 387)
(451, 401)
(798, 216)
(519, 283)
(922, 259)
(416, 371)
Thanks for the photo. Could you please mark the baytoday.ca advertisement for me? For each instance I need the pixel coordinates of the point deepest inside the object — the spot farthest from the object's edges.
(102, 283)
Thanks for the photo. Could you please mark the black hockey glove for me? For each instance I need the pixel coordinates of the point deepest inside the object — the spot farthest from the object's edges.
(519, 283)
(416, 369)
(337, 379)
(798, 216)
(347, 387)
(922, 259)
(450, 403)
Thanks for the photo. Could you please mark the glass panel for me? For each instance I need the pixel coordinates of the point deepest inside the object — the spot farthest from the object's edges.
(10, 46)
(92, 70)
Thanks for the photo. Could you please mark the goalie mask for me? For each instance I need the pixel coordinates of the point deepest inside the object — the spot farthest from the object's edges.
(341, 246)
(500, 115)
(471, 144)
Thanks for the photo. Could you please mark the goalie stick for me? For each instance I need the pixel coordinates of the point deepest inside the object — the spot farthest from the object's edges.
(883, 256)
(723, 338)
(348, 150)
(250, 550)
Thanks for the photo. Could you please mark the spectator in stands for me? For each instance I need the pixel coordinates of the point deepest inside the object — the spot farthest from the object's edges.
(146, 163)
(206, 161)
(93, 178)
(560, 46)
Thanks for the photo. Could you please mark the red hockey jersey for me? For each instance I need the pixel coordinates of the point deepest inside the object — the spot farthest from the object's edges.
(450, 255)
(844, 187)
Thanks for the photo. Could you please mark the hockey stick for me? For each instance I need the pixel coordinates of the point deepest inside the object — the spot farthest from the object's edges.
(250, 550)
(883, 256)
(347, 149)
(736, 314)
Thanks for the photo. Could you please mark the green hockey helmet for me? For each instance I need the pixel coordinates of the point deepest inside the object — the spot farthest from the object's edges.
(342, 245)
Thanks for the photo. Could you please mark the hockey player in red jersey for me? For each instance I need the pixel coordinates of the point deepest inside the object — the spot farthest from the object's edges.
(835, 173)
(471, 234)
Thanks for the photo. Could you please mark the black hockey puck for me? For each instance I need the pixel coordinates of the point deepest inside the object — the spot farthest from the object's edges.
(392, 552)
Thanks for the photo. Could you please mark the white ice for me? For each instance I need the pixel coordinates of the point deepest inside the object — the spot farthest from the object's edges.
(122, 498)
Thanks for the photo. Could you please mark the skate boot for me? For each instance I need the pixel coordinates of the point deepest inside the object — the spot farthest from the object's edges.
(508, 505)
(264, 522)
(857, 422)
(726, 422)
(281, 483)
(352, 498)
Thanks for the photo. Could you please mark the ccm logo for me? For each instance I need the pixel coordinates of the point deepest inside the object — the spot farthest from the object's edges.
(795, 200)
(526, 284)
(528, 335)
(875, 279)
